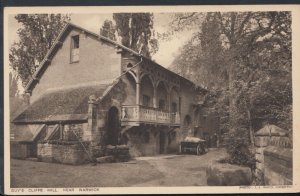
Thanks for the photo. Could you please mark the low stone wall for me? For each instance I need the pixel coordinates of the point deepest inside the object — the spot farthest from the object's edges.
(274, 157)
(18, 150)
(62, 153)
(278, 164)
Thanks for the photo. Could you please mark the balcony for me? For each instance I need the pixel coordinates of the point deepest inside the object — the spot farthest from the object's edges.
(136, 114)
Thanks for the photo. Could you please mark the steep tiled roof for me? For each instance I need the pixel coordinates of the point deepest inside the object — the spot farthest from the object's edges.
(68, 104)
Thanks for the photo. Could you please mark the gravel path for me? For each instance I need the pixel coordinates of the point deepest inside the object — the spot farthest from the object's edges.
(182, 170)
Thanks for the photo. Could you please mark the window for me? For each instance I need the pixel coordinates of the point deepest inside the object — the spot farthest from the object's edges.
(129, 65)
(75, 49)
(146, 100)
(161, 104)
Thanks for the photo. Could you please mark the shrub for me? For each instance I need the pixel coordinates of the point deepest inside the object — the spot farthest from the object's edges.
(239, 152)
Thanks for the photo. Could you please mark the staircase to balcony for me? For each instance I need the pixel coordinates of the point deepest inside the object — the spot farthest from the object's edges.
(135, 115)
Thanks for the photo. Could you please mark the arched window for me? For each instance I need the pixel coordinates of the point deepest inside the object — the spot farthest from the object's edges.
(174, 100)
(187, 123)
(147, 91)
(129, 65)
(162, 96)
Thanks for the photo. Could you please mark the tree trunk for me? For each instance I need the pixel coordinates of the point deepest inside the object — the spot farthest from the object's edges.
(250, 129)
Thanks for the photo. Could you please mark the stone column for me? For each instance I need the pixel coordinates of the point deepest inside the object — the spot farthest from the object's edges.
(137, 93)
(138, 81)
(261, 142)
(155, 97)
(268, 137)
(92, 120)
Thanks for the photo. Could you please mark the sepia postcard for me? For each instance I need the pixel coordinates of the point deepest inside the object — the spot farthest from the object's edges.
(151, 99)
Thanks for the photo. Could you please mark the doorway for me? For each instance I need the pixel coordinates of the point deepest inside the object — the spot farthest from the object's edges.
(113, 126)
(162, 142)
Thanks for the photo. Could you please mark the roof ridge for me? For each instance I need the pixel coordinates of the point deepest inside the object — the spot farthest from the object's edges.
(43, 63)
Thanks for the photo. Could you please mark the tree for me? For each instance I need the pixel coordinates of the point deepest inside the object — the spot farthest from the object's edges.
(16, 102)
(13, 86)
(136, 32)
(256, 55)
(201, 60)
(108, 30)
(203, 53)
(37, 34)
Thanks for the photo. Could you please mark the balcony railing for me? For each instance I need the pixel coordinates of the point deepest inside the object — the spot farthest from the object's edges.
(136, 114)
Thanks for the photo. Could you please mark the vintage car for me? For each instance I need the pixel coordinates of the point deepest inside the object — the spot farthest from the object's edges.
(193, 145)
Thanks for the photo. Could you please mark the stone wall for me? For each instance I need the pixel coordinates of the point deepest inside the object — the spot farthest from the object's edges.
(62, 153)
(143, 142)
(98, 62)
(146, 140)
(274, 157)
(18, 150)
(278, 164)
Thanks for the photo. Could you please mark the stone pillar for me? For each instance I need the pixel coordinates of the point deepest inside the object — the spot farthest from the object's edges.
(260, 145)
(269, 136)
(169, 101)
(138, 81)
(137, 93)
(92, 120)
(155, 97)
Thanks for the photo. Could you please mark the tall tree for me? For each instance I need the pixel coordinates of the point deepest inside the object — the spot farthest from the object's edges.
(13, 85)
(256, 52)
(136, 32)
(37, 34)
(108, 30)
(201, 60)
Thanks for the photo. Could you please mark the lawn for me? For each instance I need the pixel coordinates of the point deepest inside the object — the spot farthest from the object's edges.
(27, 174)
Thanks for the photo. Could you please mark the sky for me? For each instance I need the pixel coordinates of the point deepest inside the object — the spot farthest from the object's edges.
(167, 49)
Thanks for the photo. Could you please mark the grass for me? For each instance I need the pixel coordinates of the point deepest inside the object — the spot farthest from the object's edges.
(49, 175)
(183, 170)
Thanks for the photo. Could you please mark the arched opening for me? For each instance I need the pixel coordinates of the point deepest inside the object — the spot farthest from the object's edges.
(129, 65)
(130, 89)
(147, 91)
(162, 96)
(162, 142)
(174, 100)
(187, 125)
(113, 126)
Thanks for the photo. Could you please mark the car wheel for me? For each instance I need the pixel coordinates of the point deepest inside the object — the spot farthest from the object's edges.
(180, 150)
(199, 150)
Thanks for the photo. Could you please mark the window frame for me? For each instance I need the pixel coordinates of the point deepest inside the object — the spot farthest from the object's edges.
(73, 48)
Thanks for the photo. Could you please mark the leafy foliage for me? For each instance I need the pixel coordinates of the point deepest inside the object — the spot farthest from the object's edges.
(13, 85)
(37, 35)
(108, 30)
(239, 153)
(245, 60)
(136, 32)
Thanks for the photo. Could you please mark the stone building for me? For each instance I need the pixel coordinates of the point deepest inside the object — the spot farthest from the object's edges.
(93, 90)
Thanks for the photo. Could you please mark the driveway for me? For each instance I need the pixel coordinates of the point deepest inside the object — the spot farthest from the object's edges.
(166, 170)
(182, 170)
